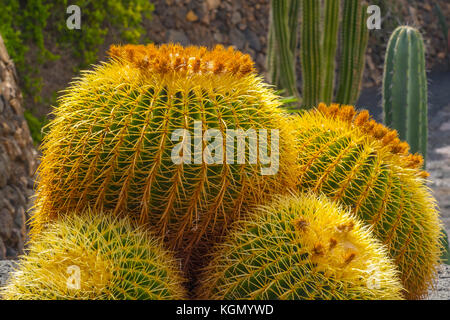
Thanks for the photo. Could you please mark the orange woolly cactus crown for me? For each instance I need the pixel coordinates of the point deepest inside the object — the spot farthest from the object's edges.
(388, 137)
(189, 60)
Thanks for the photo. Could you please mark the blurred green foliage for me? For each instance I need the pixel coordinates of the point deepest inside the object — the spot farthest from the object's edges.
(97, 17)
(36, 126)
(27, 27)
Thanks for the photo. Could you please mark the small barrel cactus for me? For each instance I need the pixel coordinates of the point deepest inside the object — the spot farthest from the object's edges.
(300, 247)
(95, 256)
(351, 158)
(132, 136)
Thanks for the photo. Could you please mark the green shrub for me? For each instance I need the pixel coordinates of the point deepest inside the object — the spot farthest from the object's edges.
(26, 27)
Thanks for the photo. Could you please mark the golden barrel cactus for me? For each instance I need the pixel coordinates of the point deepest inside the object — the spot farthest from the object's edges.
(117, 129)
(350, 158)
(300, 247)
(95, 256)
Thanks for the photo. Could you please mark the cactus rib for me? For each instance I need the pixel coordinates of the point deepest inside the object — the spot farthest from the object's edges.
(329, 47)
(310, 52)
(283, 42)
(354, 38)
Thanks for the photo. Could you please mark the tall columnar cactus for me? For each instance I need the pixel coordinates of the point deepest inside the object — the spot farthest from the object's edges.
(300, 247)
(310, 53)
(354, 38)
(117, 142)
(318, 48)
(95, 256)
(405, 101)
(282, 44)
(329, 47)
(362, 164)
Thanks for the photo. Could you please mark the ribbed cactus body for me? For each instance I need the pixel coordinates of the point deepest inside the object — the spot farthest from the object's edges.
(364, 165)
(318, 46)
(354, 43)
(282, 44)
(405, 101)
(112, 142)
(94, 256)
(329, 47)
(300, 247)
(310, 52)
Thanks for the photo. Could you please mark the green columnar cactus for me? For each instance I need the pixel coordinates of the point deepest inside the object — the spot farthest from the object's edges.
(293, 19)
(354, 38)
(272, 45)
(300, 247)
(133, 135)
(283, 43)
(405, 100)
(310, 52)
(271, 56)
(318, 51)
(95, 256)
(329, 47)
(364, 165)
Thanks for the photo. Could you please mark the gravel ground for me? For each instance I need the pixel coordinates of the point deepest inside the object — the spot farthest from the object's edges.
(442, 288)
(5, 268)
(441, 291)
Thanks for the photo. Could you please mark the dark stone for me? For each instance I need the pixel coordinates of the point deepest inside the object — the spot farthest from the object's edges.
(177, 36)
(252, 39)
(10, 252)
(237, 38)
(6, 224)
(2, 250)
(2, 104)
(17, 161)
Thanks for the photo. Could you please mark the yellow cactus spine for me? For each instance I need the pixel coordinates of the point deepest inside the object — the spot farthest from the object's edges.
(300, 247)
(95, 256)
(112, 142)
(351, 158)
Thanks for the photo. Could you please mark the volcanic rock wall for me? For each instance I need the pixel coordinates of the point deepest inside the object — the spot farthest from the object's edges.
(17, 161)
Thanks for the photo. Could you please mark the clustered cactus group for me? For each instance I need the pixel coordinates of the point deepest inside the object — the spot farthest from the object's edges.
(320, 30)
(346, 215)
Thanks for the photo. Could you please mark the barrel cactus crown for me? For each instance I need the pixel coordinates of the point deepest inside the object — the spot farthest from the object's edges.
(135, 135)
(95, 256)
(300, 247)
(351, 158)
